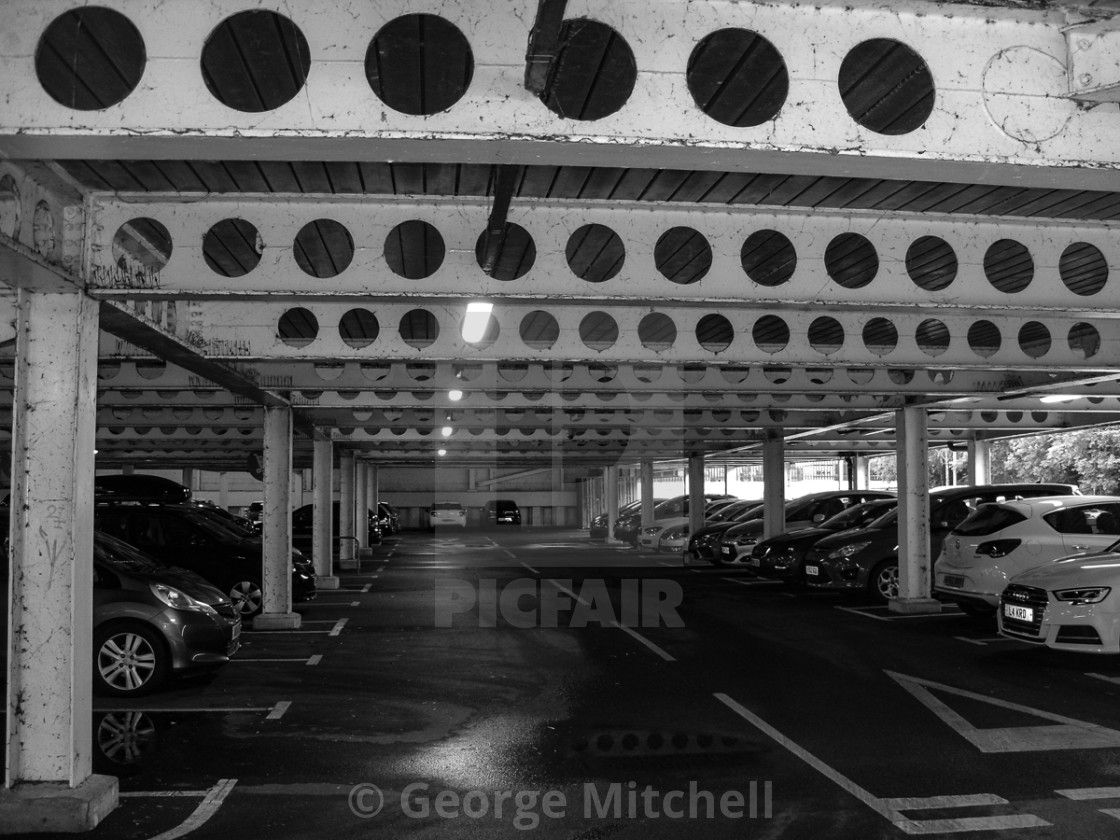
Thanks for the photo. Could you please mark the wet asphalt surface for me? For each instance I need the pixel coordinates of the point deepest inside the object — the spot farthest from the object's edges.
(770, 713)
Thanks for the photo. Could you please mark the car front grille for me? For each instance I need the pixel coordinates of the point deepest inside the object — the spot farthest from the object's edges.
(226, 611)
(1024, 596)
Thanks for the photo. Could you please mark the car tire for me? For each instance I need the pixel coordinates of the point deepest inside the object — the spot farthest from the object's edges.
(129, 660)
(978, 610)
(882, 584)
(247, 597)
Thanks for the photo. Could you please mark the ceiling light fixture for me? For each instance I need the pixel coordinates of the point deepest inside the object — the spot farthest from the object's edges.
(1058, 398)
(455, 395)
(476, 321)
(443, 452)
(446, 431)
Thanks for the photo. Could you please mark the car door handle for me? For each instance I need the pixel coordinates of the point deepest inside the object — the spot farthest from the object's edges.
(1081, 547)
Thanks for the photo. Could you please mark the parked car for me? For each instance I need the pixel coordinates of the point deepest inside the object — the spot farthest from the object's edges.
(598, 529)
(501, 512)
(998, 541)
(256, 510)
(388, 519)
(783, 556)
(628, 529)
(649, 538)
(704, 544)
(139, 487)
(675, 539)
(866, 560)
(181, 535)
(303, 532)
(152, 621)
(1072, 604)
(447, 515)
(738, 542)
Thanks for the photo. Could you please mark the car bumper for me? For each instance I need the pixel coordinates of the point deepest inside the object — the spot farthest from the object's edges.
(826, 574)
(969, 585)
(199, 640)
(672, 546)
(1065, 627)
(734, 553)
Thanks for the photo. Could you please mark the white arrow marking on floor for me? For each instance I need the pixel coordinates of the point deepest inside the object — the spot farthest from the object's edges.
(1064, 734)
(205, 810)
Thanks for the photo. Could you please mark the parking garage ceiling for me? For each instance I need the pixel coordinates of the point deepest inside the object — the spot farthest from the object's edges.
(698, 225)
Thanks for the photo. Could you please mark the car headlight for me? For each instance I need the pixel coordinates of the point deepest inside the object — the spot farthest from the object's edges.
(674, 534)
(653, 529)
(746, 539)
(179, 600)
(1085, 595)
(850, 549)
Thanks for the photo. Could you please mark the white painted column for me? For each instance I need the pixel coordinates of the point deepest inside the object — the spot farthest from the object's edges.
(322, 515)
(773, 484)
(371, 488)
(223, 490)
(276, 518)
(913, 514)
(862, 472)
(361, 505)
(647, 491)
(346, 553)
(979, 461)
(49, 785)
(696, 491)
(188, 478)
(610, 479)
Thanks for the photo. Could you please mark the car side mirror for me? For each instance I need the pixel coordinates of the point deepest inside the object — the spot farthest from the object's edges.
(818, 517)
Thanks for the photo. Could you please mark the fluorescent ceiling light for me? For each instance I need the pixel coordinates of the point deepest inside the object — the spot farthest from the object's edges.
(1058, 398)
(476, 321)
(443, 452)
(455, 395)
(446, 431)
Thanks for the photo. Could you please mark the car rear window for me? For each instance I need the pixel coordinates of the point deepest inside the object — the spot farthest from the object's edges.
(447, 506)
(988, 519)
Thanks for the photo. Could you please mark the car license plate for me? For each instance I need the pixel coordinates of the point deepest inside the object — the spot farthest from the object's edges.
(725, 550)
(812, 571)
(237, 631)
(1018, 613)
(754, 561)
(954, 581)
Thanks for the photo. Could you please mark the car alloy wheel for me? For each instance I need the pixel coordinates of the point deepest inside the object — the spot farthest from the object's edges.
(884, 581)
(130, 660)
(247, 597)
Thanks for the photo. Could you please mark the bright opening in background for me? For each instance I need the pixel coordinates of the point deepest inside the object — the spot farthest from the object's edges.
(476, 321)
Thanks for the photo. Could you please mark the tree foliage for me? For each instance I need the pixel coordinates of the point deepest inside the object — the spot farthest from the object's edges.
(1089, 458)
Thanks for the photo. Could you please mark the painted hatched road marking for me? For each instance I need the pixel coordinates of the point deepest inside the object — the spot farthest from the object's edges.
(1082, 794)
(1062, 733)
(884, 807)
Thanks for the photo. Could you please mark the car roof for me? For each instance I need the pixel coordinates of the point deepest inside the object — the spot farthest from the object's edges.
(1057, 502)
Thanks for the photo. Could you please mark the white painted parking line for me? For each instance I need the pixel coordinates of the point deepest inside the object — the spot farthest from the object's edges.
(927, 803)
(634, 635)
(279, 710)
(245, 633)
(509, 554)
(753, 582)
(855, 611)
(338, 626)
(980, 642)
(205, 810)
(239, 659)
(366, 588)
(885, 807)
(1115, 680)
(160, 794)
(315, 660)
(1082, 794)
(1111, 812)
(189, 711)
(1062, 733)
(530, 568)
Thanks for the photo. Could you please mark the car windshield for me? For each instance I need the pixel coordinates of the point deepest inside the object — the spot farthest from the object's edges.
(123, 557)
(451, 506)
(728, 512)
(987, 519)
(858, 516)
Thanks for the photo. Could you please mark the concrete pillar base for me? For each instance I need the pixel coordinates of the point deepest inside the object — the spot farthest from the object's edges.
(326, 582)
(614, 542)
(365, 554)
(57, 807)
(915, 606)
(277, 621)
(348, 565)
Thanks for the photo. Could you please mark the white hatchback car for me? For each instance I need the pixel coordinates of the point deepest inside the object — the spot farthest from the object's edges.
(447, 515)
(1072, 604)
(1000, 540)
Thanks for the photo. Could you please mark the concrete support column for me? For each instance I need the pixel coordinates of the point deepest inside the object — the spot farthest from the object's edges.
(773, 484)
(223, 490)
(372, 487)
(322, 514)
(696, 491)
(862, 472)
(346, 553)
(610, 479)
(188, 477)
(646, 479)
(913, 515)
(48, 781)
(979, 461)
(361, 505)
(276, 518)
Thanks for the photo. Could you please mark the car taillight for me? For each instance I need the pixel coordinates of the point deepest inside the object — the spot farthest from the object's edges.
(998, 548)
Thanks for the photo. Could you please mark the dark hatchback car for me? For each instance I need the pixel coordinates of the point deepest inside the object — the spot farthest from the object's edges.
(151, 622)
(388, 520)
(738, 542)
(181, 535)
(704, 544)
(598, 529)
(783, 556)
(866, 559)
(501, 512)
(629, 527)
